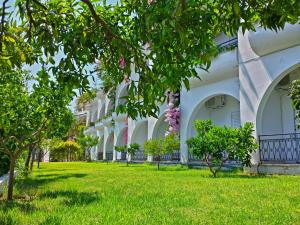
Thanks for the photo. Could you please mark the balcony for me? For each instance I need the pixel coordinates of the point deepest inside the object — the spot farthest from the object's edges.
(280, 148)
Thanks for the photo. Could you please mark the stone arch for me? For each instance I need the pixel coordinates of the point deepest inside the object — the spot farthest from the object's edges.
(122, 93)
(101, 148)
(110, 106)
(140, 134)
(231, 109)
(269, 95)
(160, 127)
(102, 111)
(120, 137)
(109, 146)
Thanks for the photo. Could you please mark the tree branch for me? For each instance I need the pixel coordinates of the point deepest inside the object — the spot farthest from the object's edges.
(31, 20)
(99, 20)
(2, 25)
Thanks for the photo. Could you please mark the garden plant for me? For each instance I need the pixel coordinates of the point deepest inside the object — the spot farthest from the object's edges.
(216, 145)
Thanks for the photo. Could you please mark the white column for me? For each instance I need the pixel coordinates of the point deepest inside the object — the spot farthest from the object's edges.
(106, 135)
(88, 118)
(115, 143)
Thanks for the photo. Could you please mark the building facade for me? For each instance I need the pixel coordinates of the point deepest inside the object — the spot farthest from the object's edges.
(246, 83)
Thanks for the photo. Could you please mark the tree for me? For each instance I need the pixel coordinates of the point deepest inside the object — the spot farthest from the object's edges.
(171, 143)
(215, 145)
(122, 149)
(161, 146)
(29, 116)
(155, 148)
(165, 41)
(85, 98)
(295, 96)
(86, 142)
(132, 149)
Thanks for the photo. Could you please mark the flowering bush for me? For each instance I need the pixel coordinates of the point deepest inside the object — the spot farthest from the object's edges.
(172, 114)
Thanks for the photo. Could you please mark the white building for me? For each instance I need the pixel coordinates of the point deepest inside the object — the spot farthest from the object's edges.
(248, 83)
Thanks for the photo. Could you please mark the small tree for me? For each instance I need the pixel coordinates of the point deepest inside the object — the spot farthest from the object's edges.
(171, 143)
(215, 145)
(29, 116)
(87, 142)
(132, 149)
(161, 146)
(156, 148)
(295, 96)
(122, 149)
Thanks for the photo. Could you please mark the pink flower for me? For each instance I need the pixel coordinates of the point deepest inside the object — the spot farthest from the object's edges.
(122, 63)
(150, 2)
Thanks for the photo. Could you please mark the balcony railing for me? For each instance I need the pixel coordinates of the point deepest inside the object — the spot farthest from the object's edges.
(282, 148)
(232, 42)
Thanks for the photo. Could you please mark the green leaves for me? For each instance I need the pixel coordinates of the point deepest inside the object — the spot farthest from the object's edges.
(295, 96)
(179, 36)
(216, 145)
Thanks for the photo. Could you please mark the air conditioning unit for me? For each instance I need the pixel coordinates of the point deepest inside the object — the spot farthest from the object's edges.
(216, 102)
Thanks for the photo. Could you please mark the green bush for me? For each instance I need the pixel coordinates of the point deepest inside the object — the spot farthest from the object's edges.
(215, 144)
(121, 148)
(171, 143)
(133, 148)
(160, 146)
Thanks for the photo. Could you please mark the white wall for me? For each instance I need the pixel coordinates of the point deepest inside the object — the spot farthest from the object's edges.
(278, 114)
(221, 116)
(140, 134)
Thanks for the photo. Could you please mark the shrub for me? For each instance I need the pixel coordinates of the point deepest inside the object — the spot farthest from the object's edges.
(121, 148)
(171, 143)
(160, 146)
(154, 147)
(215, 145)
(133, 148)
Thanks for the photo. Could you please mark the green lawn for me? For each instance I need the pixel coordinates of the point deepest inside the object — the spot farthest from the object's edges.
(97, 193)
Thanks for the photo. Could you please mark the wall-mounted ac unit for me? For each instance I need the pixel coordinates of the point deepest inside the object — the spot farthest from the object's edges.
(216, 102)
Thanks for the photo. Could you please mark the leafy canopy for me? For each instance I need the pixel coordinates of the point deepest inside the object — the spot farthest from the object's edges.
(162, 42)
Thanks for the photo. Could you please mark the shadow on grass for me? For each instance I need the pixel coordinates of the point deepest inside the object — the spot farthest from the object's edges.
(72, 197)
(30, 185)
(237, 173)
(24, 206)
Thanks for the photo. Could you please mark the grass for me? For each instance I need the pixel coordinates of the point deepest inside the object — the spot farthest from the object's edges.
(97, 193)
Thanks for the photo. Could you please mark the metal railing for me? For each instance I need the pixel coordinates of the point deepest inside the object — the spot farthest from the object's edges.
(194, 158)
(100, 155)
(233, 42)
(169, 157)
(139, 155)
(109, 156)
(123, 155)
(284, 148)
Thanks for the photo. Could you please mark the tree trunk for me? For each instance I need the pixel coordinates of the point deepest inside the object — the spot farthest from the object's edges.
(10, 187)
(39, 157)
(28, 161)
(32, 159)
(158, 162)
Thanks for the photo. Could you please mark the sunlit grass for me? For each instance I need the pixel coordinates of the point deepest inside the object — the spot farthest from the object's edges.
(100, 193)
